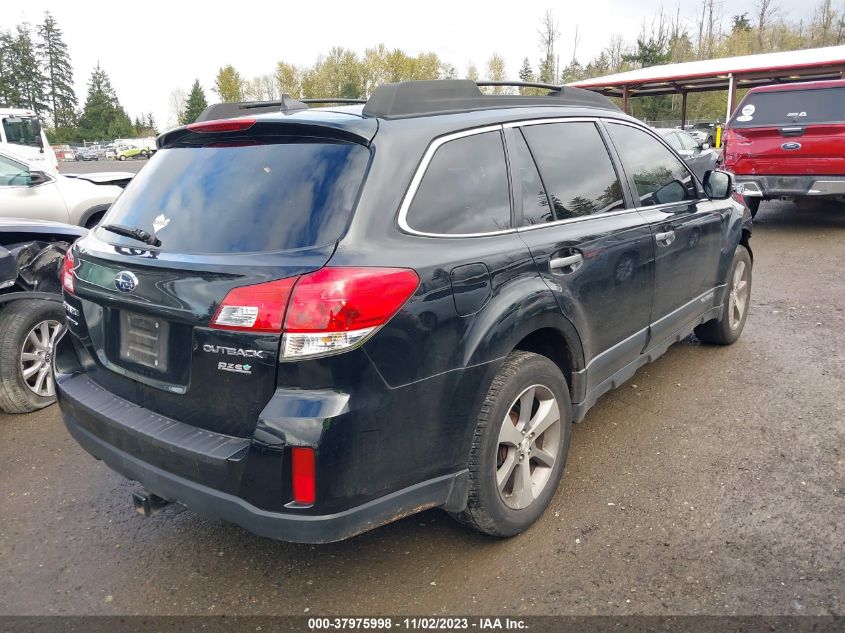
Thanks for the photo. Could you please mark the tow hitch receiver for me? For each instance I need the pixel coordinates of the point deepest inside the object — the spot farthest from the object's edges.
(148, 504)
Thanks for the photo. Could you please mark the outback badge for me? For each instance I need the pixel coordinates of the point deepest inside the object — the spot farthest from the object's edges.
(125, 281)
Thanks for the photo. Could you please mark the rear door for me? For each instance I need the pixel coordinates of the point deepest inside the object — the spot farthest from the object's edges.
(228, 214)
(687, 228)
(593, 251)
(790, 132)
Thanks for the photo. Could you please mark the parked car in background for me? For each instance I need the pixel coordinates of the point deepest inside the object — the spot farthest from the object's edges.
(21, 135)
(131, 151)
(28, 192)
(315, 321)
(31, 311)
(87, 153)
(703, 132)
(700, 157)
(788, 141)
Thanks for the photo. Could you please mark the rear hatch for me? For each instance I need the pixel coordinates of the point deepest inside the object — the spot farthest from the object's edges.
(789, 132)
(222, 211)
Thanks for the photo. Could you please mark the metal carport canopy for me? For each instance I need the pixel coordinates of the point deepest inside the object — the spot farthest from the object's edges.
(726, 73)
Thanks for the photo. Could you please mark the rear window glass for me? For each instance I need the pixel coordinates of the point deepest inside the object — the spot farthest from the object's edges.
(242, 199)
(800, 107)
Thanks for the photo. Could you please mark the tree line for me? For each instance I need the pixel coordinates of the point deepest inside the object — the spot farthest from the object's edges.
(664, 38)
(36, 73)
(36, 70)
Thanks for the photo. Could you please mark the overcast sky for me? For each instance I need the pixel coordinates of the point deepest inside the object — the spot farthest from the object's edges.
(149, 48)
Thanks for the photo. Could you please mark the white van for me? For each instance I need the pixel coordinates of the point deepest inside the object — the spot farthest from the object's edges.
(21, 135)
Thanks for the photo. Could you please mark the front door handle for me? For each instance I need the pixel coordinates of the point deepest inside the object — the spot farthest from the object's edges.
(665, 238)
(566, 264)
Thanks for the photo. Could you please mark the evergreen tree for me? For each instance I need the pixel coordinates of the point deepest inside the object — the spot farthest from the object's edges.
(25, 73)
(195, 104)
(103, 116)
(8, 90)
(55, 60)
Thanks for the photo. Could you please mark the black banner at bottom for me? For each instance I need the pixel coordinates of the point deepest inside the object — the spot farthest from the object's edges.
(539, 624)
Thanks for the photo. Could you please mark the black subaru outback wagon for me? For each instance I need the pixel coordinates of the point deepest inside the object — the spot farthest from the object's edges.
(314, 321)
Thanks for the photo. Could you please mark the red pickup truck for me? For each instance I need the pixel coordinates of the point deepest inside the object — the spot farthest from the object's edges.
(788, 142)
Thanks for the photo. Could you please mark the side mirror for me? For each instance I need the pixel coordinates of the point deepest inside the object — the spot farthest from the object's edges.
(38, 178)
(703, 146)
(36, 129)
(671, 192)
(718, 185)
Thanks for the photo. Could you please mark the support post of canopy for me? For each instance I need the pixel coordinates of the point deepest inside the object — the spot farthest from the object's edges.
(731, 96)
(683, 109)
(625, 95)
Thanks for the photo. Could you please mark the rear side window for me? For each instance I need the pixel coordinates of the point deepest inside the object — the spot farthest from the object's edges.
(825, 105)
(576, 169)
(465, 188)
(660, 178)
(244, 198)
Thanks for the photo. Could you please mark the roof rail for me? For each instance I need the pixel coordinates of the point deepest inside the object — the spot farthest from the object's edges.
(519, 84)
(341, 100)
(438, 96)
(285, 104)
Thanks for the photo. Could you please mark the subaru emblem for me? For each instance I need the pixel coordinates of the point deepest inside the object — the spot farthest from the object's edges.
(125, 281)
(789, 146)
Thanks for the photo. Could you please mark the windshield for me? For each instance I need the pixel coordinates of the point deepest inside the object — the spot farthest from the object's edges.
(243, 198)
(802, 107)
(20, 131)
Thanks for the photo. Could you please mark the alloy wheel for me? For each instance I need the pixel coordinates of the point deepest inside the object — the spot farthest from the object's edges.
(738, 300)
(36, 358)
(528, 447)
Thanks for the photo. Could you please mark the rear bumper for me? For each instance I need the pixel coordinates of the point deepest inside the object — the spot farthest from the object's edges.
(245, 480)
(754, 186)
(288, 527)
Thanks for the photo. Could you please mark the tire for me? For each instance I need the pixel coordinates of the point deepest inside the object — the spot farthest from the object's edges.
(727, 328)
(145, 154)
(18, 320)
(121, 157)
(753, 205)
(494, 446)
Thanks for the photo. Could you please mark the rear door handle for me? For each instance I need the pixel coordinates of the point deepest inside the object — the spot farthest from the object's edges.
(570, 261)
(665, 238)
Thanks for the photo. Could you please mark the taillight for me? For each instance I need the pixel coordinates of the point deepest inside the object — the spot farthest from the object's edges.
(337, 308)
(303, 475)
(67, 271)
(222, 125)
(258, 308)
(327, 311)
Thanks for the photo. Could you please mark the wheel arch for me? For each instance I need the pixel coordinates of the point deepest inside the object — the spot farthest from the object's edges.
(91, 212)
(526, 317)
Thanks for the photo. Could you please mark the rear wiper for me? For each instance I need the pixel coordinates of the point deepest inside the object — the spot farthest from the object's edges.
(138, 234)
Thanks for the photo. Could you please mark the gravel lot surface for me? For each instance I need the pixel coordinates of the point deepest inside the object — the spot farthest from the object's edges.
(713, 482)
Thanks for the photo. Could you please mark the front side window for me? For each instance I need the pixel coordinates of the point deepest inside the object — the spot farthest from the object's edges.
(20, 131)
(660, 178)
(687, 142)
(576, 169)
(674, 141)
(465, 189)
(12, 173)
